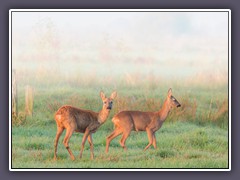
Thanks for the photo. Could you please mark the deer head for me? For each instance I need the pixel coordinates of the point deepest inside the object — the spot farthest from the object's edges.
(172, 101)
(108, 102)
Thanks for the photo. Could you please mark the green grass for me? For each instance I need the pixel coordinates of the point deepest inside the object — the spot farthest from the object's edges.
(180, 145)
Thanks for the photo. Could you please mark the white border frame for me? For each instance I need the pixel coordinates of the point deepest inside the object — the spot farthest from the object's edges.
(123, 10)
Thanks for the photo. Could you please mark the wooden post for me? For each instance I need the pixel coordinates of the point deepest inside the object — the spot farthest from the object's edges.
(29, 101)
(14, 94)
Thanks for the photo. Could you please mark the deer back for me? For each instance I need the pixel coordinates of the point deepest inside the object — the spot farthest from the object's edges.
(77, 118)
(136, 120)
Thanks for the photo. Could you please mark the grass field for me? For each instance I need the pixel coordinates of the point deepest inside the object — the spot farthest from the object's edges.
(193, 136)
(180, 145)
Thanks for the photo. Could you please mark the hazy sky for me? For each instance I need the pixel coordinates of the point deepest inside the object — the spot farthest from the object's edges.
(201, 23)
(176, 38)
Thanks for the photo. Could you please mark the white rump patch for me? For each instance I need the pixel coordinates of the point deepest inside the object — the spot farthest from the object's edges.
(58, 117)
(115, 120)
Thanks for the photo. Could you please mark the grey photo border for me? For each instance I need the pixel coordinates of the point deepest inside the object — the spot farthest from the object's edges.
(171, 4)
(11, 11)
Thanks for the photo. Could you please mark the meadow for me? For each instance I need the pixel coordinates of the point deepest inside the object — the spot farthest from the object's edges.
(193, 136)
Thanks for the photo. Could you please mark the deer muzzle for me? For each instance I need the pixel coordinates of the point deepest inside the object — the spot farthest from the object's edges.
(109, 107)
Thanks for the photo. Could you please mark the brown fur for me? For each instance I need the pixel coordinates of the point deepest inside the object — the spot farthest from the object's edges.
(79, 120)
(127, 121)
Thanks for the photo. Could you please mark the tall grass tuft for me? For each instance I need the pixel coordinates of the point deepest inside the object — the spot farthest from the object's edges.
(19, 120)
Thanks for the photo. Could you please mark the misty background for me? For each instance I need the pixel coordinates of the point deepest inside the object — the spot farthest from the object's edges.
(133, 46)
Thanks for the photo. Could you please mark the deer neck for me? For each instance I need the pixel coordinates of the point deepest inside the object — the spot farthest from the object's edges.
(163, 112)
(102, 115)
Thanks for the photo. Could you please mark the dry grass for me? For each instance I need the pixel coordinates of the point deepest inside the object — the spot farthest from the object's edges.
(201, 102)
(18, 120)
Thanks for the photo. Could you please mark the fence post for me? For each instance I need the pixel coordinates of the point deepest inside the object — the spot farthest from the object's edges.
(14, 94)
(29, 101)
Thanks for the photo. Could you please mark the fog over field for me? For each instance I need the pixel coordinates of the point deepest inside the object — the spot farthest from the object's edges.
(123, 44)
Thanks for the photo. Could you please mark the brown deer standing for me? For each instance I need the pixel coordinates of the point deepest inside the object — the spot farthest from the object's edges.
(127, 121)
(83, 121)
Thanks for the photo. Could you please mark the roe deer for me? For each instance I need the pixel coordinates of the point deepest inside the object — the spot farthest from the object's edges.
(127, 121)
(83, 121)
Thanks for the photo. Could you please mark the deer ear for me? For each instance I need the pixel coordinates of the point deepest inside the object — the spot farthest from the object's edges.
(102, 95)
(113, 95)
(170, 92)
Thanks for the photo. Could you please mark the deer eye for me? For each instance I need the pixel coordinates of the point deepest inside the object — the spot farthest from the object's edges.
(105, 102)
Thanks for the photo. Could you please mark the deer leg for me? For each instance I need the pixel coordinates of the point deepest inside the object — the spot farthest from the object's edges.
(59, 132)
(154, 141)
(91, 145)
(150, 138)
(83, 142)
(66, 141)
(124, 138)
(114, 134)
